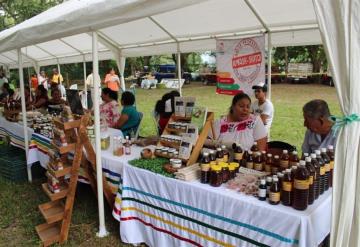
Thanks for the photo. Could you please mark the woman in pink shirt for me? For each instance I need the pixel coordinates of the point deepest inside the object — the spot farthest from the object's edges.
(109, 110)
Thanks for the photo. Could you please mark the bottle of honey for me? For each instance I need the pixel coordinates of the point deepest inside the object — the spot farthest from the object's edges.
(322, 172)
(268, 163)
(294, 159)
(284, 161)
(263, 158)
(312, 174)
(250, 161)
(276, 165)
(254, 148)
(286, 188)
(326, 159)
(304, 155)
(258, 164)
(274, 194)
(238, 153)
(268, 185)
(331, 154)
(316, 165)
(301, 187)
(244, 158)
(219, 155)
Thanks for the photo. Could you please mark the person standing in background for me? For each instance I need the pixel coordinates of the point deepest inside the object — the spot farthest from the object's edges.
(43, 79)
(262, 107)
(112, 80)
(34, 82)
(56, 78)
(3, 80)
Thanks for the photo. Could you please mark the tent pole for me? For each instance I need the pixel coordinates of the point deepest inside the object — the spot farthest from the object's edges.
(122, 61)
(102, 228)
(85, 85)
(23, 110)
(179, 67)
(269, 66)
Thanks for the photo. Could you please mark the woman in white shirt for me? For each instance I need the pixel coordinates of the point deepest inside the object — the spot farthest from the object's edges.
(240, 126)
(43, 79)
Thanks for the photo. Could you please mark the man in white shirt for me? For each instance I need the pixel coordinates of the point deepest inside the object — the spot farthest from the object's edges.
(262, 106)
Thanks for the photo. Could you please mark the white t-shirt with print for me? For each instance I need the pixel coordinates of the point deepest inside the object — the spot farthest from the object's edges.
(266, 108)
(245, 132)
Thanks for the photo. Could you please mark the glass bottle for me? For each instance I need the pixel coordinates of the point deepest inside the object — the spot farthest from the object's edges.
(269, 162)
(219, 155)
(225, 153)
(216, 176)
(250, 161)
(205, 168)
(326, 159)
(274, 195)
(268, 185)
(127, 146)
(312, 174)
(284, 161)
(316, 165)
(294, 159)
(258, 163)
(275, 167)
(238, 153)
(262, 190)
(286, 188)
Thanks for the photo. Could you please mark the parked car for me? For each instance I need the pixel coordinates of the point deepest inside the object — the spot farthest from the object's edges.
(168, 71)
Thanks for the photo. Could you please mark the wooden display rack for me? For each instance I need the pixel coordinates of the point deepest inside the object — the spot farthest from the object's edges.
(58, 211)
(200, 141)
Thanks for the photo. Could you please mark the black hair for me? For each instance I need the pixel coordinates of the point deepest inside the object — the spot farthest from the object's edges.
(6, 86)
(237, 98)
(112, 94)
(55, 90)
(160, 104)
(127, 98)
(42, 90)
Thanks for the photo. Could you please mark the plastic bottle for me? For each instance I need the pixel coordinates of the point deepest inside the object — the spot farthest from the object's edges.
(284, 160)
(238, 153)
(287, 188)
(294, 159)
(326, 159)
(274, 195)
(322, 172)
(269, 163)
(316, 165)
(225, 153)
(301, 187)
(312, 174)
(331, 154)
(258, 163)
(275, 167)
(249, 161)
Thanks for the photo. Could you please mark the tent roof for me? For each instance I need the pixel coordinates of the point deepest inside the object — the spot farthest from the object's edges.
(152, 27)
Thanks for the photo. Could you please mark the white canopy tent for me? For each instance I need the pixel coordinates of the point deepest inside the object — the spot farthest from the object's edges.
(69, 32)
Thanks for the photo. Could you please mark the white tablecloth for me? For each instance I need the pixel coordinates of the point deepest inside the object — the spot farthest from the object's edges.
(168, 212)
(14, 131)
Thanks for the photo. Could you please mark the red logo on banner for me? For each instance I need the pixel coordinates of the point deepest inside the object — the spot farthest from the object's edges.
(247, 60)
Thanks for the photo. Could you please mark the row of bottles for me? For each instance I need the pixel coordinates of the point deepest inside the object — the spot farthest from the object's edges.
(301, 185)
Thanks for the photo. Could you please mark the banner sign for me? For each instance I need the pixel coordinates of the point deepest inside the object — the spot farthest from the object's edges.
(240, 64)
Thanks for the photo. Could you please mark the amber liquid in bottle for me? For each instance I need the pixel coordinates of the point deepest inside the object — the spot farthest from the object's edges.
(331, 154)
(258, 163)
(284, 161)
(301, 187)
(205, 169)
(312, 174)
(276, 165)
(238, 153)
(250, 161)
(326, 159)
(269, 163)
(244, 158)
(322, 172)
(225, 153)
(286, 188)
(316, 165)
(274, 194)
(294, 159)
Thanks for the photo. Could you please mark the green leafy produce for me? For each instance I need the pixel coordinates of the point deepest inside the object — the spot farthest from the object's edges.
(154, 165)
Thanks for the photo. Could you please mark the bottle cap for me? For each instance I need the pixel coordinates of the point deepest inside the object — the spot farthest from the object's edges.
(269, 155)
(294, 167)
(263, 152)
(285, 151)
(323, 150)
(331, 147)
(295, 152)
(223, 146)
(302, 162)
(275, 179)
(308, 159)
(306, 154)
(218, 149)
(262, 181)
(212, 152)
(206, 154)
(313, 156)
(288, 170)
(269, 179)
(317, 152)
(276, 156)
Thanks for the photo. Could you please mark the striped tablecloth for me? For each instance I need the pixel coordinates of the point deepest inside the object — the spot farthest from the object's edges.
(14, 131)
(162, 211)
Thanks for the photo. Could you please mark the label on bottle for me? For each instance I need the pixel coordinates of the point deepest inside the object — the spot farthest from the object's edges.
(287, 186)
(218, 160)
(274, 196)
(331, 165)
(226, 158)
(250, 165)
(267, 167)
(274, 170)
(284, 163)
(322, 170)
(258, 166)
(311, 180)
(262, 193)
(301, 184)
(293, 163)
(327, 167)
(238, 156)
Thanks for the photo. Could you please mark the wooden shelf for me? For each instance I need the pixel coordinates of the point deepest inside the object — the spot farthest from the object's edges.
(60, 173)
(52, 211)
(55, 196)
(49, 233)
(64, 149)
(67, 125)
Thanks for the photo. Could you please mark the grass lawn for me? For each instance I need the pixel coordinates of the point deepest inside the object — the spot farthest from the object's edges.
(18, 202)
